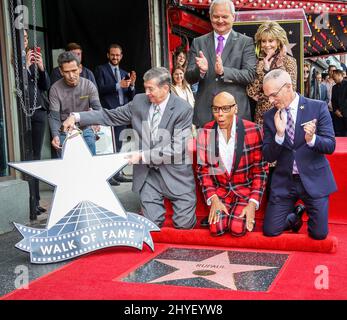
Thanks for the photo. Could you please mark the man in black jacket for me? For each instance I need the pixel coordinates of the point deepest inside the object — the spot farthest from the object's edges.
(339, 100)
(37, 103)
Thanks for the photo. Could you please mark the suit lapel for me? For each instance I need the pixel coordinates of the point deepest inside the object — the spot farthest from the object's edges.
(109, 69)
(211, 52)
(239, 142)
(228, 45)
(216, 160)
(299, 131)
(146, 130)
(167, 113)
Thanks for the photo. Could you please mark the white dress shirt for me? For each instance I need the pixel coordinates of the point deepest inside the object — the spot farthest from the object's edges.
(227, 148)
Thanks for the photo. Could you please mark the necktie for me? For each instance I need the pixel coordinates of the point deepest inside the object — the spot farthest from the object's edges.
(120, 90)
(220, 45)
(291, 133)
(156, 117)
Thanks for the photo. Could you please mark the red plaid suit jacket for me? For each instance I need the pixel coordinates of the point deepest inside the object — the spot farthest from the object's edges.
(247, 178)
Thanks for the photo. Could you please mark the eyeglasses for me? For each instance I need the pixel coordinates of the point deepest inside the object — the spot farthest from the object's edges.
(225, 109)
(275, 94)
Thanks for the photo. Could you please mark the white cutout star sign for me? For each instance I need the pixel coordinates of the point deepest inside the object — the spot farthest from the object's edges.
(78, 177)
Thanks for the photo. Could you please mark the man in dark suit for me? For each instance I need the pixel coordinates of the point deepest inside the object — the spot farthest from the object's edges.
(222, 60)
(116, 88)
(231, 168)
(298, 132)
(319, 90)
(163, 123)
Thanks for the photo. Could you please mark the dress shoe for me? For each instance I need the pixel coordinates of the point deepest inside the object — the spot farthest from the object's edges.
(121, 178)
(204, 223)
(40, 209)
(299, 211)
(114, 182)
(33, 216)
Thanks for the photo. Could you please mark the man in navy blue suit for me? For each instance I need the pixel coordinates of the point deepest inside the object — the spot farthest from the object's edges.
(298, 132)
(116, 88)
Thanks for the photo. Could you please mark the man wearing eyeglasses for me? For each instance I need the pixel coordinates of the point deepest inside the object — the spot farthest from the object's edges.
(298, 132)
(231, 169)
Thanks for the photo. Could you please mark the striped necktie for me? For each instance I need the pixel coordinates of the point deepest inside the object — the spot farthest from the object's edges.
(156, 117)
(290, 128)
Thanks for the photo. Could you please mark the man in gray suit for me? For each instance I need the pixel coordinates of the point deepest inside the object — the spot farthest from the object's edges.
(162, 122)
(222, 60)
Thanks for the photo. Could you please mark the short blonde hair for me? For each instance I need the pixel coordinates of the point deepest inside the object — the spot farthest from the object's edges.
(272, 30)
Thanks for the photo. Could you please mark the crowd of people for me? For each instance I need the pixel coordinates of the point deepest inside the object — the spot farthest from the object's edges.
(207, 96)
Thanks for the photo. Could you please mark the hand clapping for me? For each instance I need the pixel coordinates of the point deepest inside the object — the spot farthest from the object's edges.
(201, 62)
(219, 65)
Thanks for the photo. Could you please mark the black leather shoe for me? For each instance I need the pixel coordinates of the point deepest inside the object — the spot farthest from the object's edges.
(121, 178)
(33, 216)
(204, 223)
(40, 209)
(299, 211)
(114, 182)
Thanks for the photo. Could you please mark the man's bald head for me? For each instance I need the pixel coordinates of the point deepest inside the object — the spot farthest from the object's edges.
(224, 97)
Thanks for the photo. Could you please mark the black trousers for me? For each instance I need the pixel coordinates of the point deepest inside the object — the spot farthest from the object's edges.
(38, 127)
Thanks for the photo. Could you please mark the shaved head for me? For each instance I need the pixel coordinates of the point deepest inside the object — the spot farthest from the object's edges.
(225, 118)
(223, 98)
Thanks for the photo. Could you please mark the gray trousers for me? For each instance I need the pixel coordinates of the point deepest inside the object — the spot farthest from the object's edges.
(152, 197)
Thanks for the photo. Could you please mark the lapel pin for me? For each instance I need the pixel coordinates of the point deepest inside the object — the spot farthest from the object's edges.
(302, 107)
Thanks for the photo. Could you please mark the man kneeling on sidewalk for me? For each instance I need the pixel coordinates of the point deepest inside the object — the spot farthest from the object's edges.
(231, 169)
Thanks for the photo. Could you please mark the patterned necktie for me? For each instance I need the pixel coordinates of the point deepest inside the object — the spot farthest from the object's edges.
(156, 117)
(120, 90)
(290, 128)
(220, 45)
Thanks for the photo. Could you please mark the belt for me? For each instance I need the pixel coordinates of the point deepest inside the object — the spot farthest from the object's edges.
(296, 176)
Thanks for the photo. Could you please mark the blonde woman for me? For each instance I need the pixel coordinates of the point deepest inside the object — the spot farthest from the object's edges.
(271, 40)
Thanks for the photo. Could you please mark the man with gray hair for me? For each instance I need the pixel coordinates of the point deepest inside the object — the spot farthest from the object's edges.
(222, 60)
(162, 122)
(298, 132)
(72, 93)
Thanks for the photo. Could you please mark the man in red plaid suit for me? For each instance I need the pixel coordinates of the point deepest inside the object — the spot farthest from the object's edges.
(231, 169)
